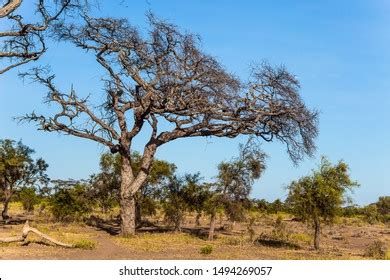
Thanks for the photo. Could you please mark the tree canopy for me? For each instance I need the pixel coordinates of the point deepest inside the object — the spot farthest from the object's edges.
(165, 81)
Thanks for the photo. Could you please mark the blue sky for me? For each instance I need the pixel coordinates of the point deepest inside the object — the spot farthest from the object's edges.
(339, 50)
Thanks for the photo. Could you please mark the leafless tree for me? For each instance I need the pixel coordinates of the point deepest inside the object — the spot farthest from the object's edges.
(21, 41)
(163, 80)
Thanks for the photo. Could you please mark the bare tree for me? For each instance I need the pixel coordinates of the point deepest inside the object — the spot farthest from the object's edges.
(163, 80)
(22, 42)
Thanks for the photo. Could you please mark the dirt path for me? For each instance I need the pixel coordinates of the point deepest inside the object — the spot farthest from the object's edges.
(106, 248)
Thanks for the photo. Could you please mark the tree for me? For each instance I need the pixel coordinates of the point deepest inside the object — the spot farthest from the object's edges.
(173, 201)
(106, 184)
(21, 41)
(181, 195)
(166, 82)
(18, 169)
(196, 194)
(275, 206)
(234, 183)
(29, 198)
(383, 205)
(319, 197)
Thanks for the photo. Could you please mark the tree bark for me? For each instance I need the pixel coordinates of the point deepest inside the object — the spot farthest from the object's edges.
(9, 7)
(7, 198)
(127, 199)
(130, 185)
(212, 225)
(317, 232)
(138, 212)
(128, 225)
(177, 224)
(197, 219)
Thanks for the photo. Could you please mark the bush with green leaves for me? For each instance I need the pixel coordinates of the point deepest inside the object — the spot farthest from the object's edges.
(71, 203)
(206, 250)
(29, 198)
(383, 205)
(371, 214)
(174, 203)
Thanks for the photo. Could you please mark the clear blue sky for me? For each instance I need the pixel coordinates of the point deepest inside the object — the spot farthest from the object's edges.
(339, 51)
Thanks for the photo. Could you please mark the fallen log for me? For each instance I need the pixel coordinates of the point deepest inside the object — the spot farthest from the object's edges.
(26, 230)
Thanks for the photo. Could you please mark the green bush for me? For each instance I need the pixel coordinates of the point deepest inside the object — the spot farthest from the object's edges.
(376, 250)
(71, 204)
(85, 244)
(206, 250)
(371, 214)
(29, 198)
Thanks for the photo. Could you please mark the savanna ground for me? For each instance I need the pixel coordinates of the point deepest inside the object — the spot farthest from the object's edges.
(347, 239)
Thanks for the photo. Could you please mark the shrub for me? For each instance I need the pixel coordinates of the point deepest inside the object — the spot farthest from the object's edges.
(383, 205)
(371, 214)
(276, 240)
(250, 227)
(301, 237)
(85, 244)
(279, 226)
(70, 204)
(29, 198)
(206, 250)
(376, 250)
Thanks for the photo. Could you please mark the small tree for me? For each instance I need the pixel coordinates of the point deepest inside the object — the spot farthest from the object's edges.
(383, 205)
(234, 183)
(196, 194)
(319, 197)
(371, 214)
(18, 169)
(29, 198)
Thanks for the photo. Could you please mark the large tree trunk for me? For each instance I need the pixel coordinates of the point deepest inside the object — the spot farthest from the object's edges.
(130, 185)
(212, 225)
(7, 199)
(317, 232)
(127, 199)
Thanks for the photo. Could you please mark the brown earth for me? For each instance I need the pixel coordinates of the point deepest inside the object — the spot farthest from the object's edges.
(348, 239)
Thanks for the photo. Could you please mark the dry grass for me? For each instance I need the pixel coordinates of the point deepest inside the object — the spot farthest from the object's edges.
(348, 239)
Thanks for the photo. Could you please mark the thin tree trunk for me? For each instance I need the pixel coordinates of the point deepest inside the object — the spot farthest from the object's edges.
(212, 225)
(317, 232)
(177, 225)
(197, 219)
(7, 198)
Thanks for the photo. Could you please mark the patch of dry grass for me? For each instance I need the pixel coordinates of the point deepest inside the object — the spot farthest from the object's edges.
(160, 242)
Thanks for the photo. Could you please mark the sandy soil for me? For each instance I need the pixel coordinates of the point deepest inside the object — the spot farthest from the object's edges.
(346, 240)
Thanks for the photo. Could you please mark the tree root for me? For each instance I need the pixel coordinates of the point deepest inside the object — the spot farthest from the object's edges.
(26, 230)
